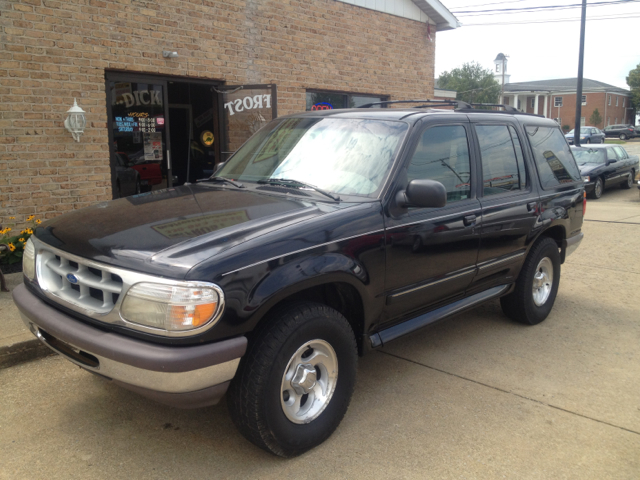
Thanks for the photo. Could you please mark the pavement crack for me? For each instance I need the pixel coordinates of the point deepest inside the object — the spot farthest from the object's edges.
(612, 221)
(510, 392)
(604, 268)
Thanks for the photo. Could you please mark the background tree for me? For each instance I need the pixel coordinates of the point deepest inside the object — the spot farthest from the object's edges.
(472, 82)
(633, 80)
(595, 119)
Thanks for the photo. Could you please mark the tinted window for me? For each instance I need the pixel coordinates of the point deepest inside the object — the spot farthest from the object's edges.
(555, 163)
(611, 154)
(502, 170)
(443, 155)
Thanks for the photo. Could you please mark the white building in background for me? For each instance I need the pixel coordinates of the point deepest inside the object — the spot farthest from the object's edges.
(500, 69)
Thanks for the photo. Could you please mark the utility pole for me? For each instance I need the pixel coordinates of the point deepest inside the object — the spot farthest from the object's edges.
(576, 130)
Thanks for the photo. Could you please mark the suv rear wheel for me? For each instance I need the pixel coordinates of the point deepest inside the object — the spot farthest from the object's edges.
(295, 382)
(537, 285)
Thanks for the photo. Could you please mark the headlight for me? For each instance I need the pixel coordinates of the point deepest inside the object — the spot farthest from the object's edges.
(172, 308)
(586, 179)
(582, 138)
(29, 260)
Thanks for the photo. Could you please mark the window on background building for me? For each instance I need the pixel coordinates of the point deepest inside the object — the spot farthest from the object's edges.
(506, 100)
(497, 68)
(616, 122)
(623, 100)
(617, 99)
(332, 101)
(609, 99)
(584, 99)
(582, 121)
(557, 101)
(608, 121)
(533, 103)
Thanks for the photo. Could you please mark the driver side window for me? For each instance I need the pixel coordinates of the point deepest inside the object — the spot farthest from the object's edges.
(443, 155)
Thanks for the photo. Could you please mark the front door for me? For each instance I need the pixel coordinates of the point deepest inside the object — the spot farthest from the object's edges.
(432, 252)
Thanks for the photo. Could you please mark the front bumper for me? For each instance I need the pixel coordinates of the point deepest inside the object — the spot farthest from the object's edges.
(589, 187)
(184, 377)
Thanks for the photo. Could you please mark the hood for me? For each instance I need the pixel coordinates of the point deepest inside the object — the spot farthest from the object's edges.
(160, 232)
(587, 168)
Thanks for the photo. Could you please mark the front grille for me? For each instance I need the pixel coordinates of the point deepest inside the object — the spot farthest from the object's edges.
(96, 290)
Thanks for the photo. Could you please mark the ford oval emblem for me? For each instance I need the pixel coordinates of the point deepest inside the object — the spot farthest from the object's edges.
(72, 278)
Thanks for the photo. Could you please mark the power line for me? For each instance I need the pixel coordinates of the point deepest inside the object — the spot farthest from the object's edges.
(527, 22)
(545, 8)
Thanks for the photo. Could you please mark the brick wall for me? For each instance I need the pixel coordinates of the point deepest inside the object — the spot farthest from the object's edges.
(53, 51)
(568, 110)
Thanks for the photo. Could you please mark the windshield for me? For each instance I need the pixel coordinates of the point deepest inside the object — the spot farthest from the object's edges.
(583, 131)
(347, 156)
(584, 156)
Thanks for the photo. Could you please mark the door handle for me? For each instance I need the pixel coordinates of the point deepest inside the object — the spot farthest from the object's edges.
(532, 206)
(469, 220)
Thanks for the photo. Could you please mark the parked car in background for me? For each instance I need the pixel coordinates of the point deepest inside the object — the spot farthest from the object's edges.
(604, 166)
(587, 135)
(621, 131)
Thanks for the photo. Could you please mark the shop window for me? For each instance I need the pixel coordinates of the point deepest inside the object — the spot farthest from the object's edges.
(557, 102)
(137, 124)
(332, 100)
(584, 99)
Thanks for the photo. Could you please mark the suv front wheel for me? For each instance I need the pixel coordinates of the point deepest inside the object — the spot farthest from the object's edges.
(537, 285)
(295, 382)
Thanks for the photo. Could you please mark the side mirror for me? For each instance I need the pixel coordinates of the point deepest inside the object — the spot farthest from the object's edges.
(218, 168)
(422, 193)
(609, 162)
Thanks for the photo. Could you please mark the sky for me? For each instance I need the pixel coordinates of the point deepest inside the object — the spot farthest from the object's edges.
(548, 49)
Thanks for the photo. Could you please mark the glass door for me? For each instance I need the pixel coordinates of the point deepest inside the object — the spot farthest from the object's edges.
(138, 134)
(246, 109)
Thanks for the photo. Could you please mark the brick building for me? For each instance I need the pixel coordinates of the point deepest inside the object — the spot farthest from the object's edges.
(557, 99)
(171, 88)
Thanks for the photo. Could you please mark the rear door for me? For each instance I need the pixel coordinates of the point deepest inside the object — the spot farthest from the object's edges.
(509, 202)
(432, 252)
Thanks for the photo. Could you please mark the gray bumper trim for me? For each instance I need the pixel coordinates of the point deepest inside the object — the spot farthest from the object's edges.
(571, 244)
(168, 372)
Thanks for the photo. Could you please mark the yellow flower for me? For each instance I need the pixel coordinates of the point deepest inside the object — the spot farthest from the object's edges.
(29, 231)
(22, 232)
(21, 240)
(11, 247)
(24, 246)
(12, 218)
(30, 217)
(7, 230)
(38, 222)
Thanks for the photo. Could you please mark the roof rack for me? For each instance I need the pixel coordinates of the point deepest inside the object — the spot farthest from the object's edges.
(429, 103)
(459, 104)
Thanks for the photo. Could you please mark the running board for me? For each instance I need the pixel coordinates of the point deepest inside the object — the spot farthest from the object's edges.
(388, 334)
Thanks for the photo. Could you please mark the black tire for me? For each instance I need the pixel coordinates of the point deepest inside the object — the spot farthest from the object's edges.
(255, 397)
(598, 189)
(629, 183)
(623, 136)
(519, 305)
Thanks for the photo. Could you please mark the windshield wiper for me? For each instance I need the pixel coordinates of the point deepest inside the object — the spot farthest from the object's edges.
(223, 179)
(288, 181)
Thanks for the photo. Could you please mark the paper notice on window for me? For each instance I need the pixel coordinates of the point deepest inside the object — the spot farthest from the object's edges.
(152, 146)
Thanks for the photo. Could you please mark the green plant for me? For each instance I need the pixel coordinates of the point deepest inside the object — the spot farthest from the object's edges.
(16, 242)
(595, 119)
(566, 128)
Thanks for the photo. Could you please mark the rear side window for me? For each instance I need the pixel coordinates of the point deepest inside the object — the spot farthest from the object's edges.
(555, 163)
(503, 167)
(443, 155)
(621, 153)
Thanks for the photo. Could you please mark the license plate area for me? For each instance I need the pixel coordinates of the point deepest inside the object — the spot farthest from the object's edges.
(74, 354)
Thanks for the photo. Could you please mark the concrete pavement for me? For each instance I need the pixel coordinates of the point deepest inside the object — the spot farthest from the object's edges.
(477, 396)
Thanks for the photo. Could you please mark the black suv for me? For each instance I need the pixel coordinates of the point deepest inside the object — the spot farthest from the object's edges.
(326, 235)
(621, 131)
